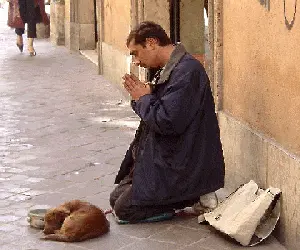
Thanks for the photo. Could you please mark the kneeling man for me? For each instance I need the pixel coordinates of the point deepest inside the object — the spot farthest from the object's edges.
(176, 158)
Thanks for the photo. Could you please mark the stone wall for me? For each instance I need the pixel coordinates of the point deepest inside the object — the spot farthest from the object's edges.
(57, 22)
(119, 18)
(71, 28)
(158, 11)
(116, 27)
(117, 23)
(192, 26)
(86, 22)
(259, 97)
(261, 77)
(80, 24)
(115, 63)
(251, 155)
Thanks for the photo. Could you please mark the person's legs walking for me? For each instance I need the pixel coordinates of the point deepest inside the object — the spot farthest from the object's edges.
(28, 15)
(31, 32)
(31, 25)
(20, 32)
(23, 10)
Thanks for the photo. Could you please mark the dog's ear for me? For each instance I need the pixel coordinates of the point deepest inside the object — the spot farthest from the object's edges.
(66, 211)
(61, 214)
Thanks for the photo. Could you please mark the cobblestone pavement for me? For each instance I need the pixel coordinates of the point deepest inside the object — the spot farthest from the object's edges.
(63, 132)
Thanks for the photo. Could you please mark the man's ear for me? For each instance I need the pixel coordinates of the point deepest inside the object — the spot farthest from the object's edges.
(151, 42)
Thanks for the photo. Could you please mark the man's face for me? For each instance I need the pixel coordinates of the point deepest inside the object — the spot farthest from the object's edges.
(144, 56)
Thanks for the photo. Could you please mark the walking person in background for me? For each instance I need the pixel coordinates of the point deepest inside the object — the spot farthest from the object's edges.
(2, 3)
(30, 12)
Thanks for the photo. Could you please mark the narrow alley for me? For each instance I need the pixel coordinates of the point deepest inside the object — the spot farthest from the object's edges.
(63, 133)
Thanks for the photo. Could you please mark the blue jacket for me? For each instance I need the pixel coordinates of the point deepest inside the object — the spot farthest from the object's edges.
(179, 154)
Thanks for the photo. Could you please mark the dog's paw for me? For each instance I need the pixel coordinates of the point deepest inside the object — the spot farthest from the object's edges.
(43, 237)
(56, 237)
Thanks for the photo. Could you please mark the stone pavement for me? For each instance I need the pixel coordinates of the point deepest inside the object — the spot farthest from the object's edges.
(63, 133)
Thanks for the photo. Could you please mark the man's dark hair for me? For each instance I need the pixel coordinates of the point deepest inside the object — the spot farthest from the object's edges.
(146, 30)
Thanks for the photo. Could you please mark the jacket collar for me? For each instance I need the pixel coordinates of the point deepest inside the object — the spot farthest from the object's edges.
(176, 56)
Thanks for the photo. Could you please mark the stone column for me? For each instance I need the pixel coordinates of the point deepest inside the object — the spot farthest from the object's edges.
(80, 24)
(42, 30)
(192, 27)
(218, 54)
(100, 24)
(134, 21)
(209, 58)
(71, 29)
(86, 22)
(57, 22)
(137, 16)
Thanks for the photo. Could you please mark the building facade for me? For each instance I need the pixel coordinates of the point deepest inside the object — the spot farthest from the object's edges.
(103, 25)
(259, 104)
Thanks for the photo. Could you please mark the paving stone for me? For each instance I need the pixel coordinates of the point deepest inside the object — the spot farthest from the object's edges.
(18, 197)
(34, 193)
(37, 244)
(85, 189)
(19, 190)
(4, 203)
(5, 195)
(6, 228)
(20, 212)
(191, 222)
(22, 222)
(218, 241)
(21, 205)
(53, 199)
(180, 235)
(102, 203)
(110, 241)
(4, 211)
(147, 244)
(8, 218)
(140, 230)
(5, 175)
(9, 247)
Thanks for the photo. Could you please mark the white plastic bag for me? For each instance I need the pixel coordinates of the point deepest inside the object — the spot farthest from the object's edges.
(248, 215)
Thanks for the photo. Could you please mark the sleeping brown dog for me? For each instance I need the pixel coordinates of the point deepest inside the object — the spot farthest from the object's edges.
(75, 221)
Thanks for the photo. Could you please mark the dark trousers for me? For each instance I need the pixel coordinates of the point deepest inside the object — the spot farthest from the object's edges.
(28, 14)
(121, 202)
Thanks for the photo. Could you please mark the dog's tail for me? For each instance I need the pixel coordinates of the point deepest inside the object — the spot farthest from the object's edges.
(57, 237)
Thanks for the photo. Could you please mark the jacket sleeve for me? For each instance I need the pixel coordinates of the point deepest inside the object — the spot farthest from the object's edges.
(126, 165)
(172, 113)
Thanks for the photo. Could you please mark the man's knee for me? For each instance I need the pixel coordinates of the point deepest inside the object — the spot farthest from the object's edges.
(111, 201)
(113, 198)
(119, 210)
(123, 207)
(117, 192)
